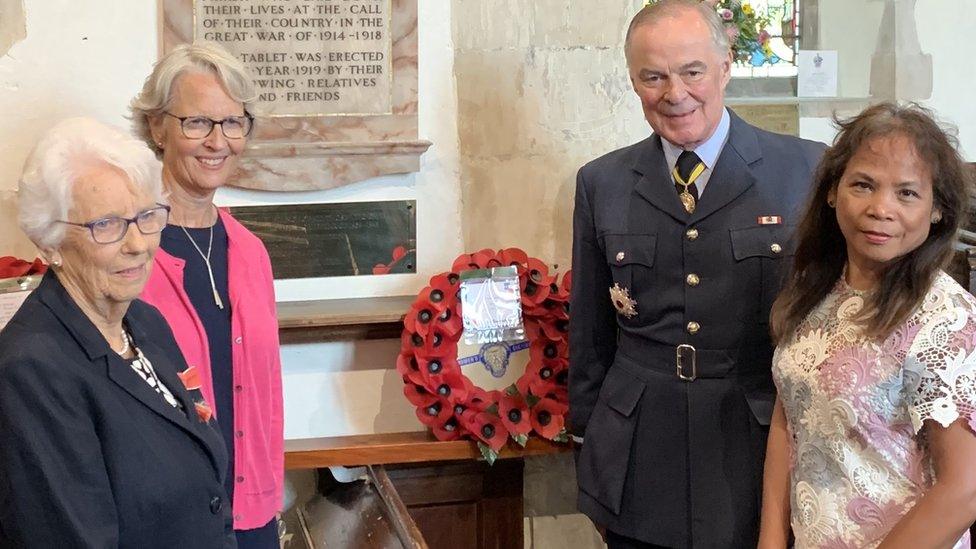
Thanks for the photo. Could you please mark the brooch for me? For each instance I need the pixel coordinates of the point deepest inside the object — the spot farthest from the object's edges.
(622, 301)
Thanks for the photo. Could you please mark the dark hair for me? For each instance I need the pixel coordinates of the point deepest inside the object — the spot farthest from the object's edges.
(821, 251)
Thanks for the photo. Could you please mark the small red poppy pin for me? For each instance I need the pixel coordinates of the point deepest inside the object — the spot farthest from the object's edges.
(190, 378)
(203, 411)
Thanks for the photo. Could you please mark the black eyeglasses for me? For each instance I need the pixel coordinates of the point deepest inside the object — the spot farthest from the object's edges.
(111, 229)
(199, 127)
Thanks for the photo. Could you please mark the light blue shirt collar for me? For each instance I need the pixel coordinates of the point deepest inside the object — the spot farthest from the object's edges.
(707, 151)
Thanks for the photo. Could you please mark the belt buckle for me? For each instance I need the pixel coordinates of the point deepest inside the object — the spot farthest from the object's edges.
(684, 353)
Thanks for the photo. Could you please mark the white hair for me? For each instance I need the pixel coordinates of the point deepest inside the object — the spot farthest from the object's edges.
(652, 13)
(44, 193)
(208, 57)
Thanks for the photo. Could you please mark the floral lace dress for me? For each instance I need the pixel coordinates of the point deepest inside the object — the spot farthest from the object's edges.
(855, 408)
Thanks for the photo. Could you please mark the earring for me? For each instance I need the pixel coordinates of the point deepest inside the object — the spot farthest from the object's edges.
(830, 203)
(56, 263)
(936, 217)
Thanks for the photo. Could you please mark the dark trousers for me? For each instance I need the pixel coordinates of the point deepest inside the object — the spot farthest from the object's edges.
(616, 541)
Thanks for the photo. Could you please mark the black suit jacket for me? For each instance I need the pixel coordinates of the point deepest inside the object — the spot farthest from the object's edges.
(90, 455)
(665, 460)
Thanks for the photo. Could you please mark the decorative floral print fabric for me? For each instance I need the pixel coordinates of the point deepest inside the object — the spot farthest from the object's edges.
(855, 408)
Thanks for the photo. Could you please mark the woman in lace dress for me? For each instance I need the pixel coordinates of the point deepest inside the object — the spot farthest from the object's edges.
(872, 440)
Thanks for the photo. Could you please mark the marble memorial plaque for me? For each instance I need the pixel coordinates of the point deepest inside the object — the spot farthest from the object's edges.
(337, 83)
(314, 57)
(341, 239)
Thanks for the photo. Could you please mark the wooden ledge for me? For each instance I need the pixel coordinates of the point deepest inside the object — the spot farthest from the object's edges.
(342, 319)
(412, 447)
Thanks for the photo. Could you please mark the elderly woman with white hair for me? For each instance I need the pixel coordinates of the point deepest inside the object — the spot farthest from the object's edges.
(101, 444)
(212, 278)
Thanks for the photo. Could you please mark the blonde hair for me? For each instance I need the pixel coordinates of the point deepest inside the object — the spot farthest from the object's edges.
(157, 92)
(44, 190)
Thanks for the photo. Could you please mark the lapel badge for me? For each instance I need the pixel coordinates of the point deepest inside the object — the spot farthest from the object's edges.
(625, 305)
(770, 220)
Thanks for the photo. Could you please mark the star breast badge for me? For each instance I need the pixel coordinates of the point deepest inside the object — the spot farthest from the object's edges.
(625, 305)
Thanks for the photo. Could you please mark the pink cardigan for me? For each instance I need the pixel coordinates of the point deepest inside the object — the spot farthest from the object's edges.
(258, 415)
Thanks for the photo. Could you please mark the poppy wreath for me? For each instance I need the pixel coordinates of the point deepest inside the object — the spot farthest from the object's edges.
(447, 401)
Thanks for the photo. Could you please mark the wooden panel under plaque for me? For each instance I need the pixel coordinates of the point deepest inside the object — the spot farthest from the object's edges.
(342, 239)
(777, 117)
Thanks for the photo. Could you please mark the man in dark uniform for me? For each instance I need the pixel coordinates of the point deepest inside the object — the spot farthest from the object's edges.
(679, 246)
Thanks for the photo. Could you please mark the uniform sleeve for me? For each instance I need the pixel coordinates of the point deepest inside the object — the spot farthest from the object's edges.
(593, 323)
(54, 488)
(941, 364)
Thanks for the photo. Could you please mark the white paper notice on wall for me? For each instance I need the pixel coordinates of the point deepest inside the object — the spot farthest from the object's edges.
(817, 73)
(9, 303)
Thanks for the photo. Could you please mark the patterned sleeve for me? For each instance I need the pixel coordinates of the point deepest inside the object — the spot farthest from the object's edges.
(941, 364)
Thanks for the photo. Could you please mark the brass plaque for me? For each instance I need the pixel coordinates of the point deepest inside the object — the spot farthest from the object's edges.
(342, 239)
(780, 118)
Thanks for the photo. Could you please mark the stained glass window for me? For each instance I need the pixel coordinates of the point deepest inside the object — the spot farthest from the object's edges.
(774, 53)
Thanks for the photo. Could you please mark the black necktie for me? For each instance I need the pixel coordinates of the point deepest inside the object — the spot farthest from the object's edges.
(688, 168)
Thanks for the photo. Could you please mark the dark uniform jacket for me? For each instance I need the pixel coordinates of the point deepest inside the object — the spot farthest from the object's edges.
(672, 461)
(90, 455)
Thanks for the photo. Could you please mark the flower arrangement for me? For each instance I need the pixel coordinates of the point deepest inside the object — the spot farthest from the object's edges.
(447, 401)
(746, 31)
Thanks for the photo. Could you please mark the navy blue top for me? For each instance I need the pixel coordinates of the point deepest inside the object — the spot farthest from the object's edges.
(216, 321)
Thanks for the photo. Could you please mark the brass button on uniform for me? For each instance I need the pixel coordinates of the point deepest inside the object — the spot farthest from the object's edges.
(693, 327)
(692, 279)
(775, 248)
(691, 234)
(620, 256)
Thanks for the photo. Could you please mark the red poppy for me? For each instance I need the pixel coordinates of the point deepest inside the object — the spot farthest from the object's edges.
(190, 378)
(485, 259)
(381, 269)
(449, 322)
(435, 413)
(418, 396)
(478, 398)
(447, 383)
(464, 262)
(544, 349)
(203, 411)
(450, 429)
(567, 283)
(547, 418)
(11, 267)
(438, 344)
(420, 317)
(409, 367)
(513, 256)
(442, 293)
(489, 429)
(514, 413)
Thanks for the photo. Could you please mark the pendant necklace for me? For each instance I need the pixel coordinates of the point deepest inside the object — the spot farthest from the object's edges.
(206, 261)
(687, 199)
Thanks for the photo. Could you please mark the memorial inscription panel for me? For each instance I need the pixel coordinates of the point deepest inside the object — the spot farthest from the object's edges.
(337, 85)
(308, 57)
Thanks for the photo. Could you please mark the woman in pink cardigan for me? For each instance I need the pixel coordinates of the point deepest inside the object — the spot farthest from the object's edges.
(211, 277)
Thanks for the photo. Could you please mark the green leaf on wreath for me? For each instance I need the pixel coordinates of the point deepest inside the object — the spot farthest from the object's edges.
(522, 440)
(512, 390)
(487, 453)
(563, 436)
(493, 409)
(531, 400)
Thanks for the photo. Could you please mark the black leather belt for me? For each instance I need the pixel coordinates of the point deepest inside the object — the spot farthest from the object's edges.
(688, 363)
